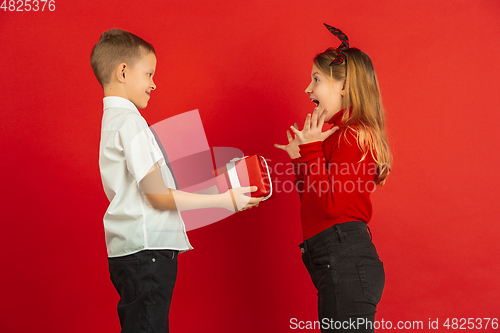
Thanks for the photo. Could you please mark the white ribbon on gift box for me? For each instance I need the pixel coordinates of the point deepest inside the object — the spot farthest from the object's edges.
(233, 175)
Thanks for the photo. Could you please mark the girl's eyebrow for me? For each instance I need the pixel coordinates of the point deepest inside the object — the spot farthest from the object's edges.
(315, 73)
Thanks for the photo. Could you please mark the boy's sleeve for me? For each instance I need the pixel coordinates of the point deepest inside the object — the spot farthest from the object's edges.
(139, 146)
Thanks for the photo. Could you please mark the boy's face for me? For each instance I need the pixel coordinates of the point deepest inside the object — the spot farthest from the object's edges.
(139, 80)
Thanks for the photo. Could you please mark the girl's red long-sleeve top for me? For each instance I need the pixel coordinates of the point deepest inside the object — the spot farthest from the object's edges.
(334, 181)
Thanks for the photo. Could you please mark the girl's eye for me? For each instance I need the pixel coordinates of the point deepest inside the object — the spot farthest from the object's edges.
(316, 79)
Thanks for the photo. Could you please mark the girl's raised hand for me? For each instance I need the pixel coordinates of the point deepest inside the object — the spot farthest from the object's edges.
(292, 148)
(313, 127)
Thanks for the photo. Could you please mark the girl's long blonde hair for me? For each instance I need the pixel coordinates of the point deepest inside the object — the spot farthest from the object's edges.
(362, 97)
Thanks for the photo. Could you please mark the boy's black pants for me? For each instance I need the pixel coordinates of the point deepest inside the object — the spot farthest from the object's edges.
(145, 282)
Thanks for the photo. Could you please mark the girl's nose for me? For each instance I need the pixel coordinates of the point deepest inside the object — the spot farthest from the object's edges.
(308, 89)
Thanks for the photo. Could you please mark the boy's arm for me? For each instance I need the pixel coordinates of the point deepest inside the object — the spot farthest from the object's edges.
(164, 198)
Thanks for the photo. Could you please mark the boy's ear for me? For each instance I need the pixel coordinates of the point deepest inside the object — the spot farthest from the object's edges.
(121, 72)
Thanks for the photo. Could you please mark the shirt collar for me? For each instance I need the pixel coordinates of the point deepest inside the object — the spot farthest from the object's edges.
(336, 118)
(118, 102)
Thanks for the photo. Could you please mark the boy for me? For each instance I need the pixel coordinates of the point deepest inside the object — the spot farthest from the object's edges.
(144, 230)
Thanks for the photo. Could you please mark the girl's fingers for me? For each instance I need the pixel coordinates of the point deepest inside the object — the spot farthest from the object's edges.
(294, 130)
(296, 125)
(307, 123)
(314, 118)
(330, 131)
(289, 136)
(282, 147)
(334, 129)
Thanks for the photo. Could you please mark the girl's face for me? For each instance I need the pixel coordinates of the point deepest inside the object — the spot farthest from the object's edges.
(325, 92)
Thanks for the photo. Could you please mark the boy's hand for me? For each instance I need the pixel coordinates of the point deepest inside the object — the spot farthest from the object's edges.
(313, 127)
(238, 201)
(292, 148)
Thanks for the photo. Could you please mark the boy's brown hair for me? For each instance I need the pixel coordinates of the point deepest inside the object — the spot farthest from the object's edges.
(114, 47)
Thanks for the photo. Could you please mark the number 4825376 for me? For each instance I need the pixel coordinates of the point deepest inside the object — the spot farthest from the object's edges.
(28, 5)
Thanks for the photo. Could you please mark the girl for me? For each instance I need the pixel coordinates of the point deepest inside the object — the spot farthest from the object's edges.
(335, 173)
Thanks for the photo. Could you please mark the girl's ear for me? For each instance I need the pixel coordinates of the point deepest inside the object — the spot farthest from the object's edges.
(342, 92)
(120, 72)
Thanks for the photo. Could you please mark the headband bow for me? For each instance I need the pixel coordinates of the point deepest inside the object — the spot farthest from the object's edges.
(339, 59)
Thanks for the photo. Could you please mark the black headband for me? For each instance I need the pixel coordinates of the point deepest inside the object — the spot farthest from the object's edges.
(339, 59)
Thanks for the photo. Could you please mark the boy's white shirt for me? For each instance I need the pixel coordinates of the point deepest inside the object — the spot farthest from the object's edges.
(127, 152)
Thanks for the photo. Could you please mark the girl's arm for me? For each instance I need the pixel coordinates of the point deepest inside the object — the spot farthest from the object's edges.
(330, 182)
(312, 132)
(342, 178)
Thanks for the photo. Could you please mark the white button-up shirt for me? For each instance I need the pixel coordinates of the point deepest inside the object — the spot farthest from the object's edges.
(127, 152)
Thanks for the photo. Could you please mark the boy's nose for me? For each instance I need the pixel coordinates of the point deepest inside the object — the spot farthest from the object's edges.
(153, 85)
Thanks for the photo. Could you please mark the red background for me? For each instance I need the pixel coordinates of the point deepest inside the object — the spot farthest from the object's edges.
(245, 66)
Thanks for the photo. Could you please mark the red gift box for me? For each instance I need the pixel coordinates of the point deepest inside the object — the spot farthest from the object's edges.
(243, 172)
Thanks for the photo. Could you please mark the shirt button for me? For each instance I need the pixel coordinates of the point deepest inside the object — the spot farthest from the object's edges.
(153, 260)
(302, 250)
